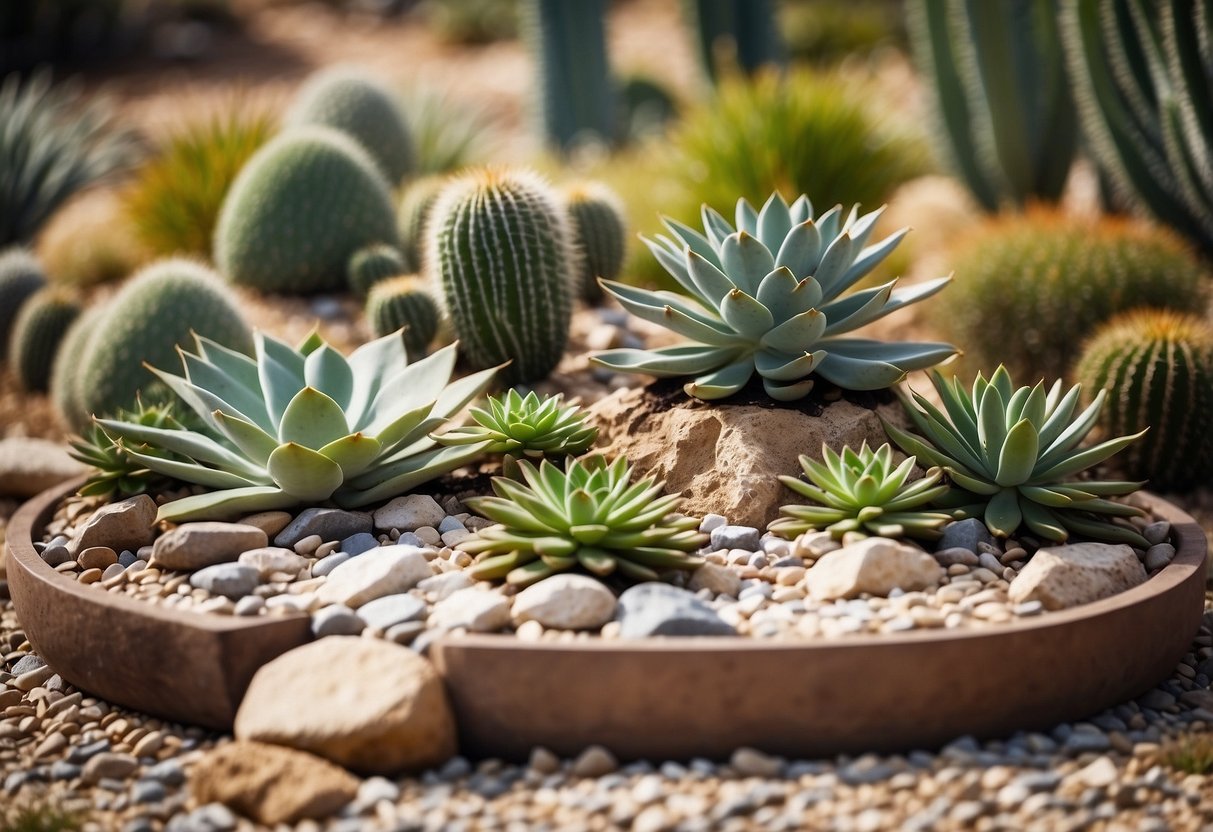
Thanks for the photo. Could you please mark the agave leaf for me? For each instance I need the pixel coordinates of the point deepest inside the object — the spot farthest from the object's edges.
(254, 442)
(638, 301)
(498, 567)
(597, 561)
(1052, 497)
(971, 483)
(857, 309)
(225, 505)
(1058, 418)
(194, 472)
(1073, 434)
(776, 293)
(692, 239)
(857, 373)
(458, 394)
(667, 362)
(407, 428)
(834, 263)
(711, 282)
(1083, 459)
(871, 257)
(235, 365)
(303, 473)
(312, 419)
(673, 261)
(196, 446)
(327, 370)
(533, 572)
(247, 401)
(411, 386)
(1102, 530)
(802, 209)
(745, 216)
(991, 425)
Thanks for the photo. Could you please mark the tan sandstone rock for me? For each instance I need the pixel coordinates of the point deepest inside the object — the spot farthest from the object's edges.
(1066, 576)
(874, 565)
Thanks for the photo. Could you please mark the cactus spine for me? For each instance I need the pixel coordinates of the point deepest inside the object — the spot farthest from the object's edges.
(403, 303)
(415, 206)
(40, 327)
(598, 229)
(1157, 366)
(499, 243)
(20, 277)
(373, 264)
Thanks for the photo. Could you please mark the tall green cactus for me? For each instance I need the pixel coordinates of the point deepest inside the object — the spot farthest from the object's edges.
(20, 277)
(1157, 366)
(499, 243)
(599, 233)
(299, 210)
(403, 303)
(745, 28)
(415, 205)
(998, 80)
(373, 264)
(40, 327)
(1144, 79)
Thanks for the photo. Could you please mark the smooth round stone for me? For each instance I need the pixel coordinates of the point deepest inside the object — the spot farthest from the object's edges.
(231, 580)
(326, 565)
(390, 610)
(337, 620)
(565, 602)
(97, 557)
(249, 605)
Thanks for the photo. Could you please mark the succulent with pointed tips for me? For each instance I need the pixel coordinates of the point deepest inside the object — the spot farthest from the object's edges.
(525, 425)
(115, 472)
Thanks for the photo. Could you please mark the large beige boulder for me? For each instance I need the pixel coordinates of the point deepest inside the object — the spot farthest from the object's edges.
(875, 565)
(1060, 577)
(725, 458)
(369, 705)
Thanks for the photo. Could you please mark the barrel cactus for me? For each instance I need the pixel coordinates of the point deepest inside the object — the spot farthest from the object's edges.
(599, 231)
(415, 206)
(20, 277)
(373, 264)
(40, 327)
(299, 210)
(404, 303)
(360, 106)
(499, 243)
(1157, 366)
(68, 367)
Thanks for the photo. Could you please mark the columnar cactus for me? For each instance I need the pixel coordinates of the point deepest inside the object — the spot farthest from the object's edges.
(599, 231)
(20, 276)
(1157, 366)
(299, 210)
(499, 243)
(360, 106)
(37, 333)
(372, 265)
(415, 206)
(403, 303)
(747, 28)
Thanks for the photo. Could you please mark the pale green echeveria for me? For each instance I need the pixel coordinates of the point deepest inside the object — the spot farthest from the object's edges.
(771, 296)
(305, 426)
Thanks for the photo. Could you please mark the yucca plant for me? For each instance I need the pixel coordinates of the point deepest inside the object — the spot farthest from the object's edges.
(1012, 455)
(590, 515)
(863, 492)
(770, 296)
(115, 472)
(305, 425)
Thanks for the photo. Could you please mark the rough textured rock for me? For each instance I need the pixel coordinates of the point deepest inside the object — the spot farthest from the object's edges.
(30, 466)
(1066, 576)
(565, 602)
(126, 524)
(195, 545)
(724, 458)
(366, 704)
(875, 565)
(271, 784)
(719, 579)
(233, 580)
(409, 513)
(384, 571)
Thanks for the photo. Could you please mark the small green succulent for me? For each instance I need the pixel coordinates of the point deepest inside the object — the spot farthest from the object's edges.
(590, 514)
(518, 425)
(770, 297)
(305, 425)
(1011, 455)
(116, 473)
(863, 492)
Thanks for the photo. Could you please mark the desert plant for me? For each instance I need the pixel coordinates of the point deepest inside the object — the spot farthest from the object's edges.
(52, 145)
(91, 241)
(67, 367)
(733, 34)
(646, 108)
(416, 203)
(174, 198)
(347, 99)
(448, 134)
(1052, 280)
(37, 334)
(599, 232)
(769, 297)
(590, 515)
(373, 264)
(830, 31)
(500, 245)
(1000, 93)
(1157, 366)
(25, 816)
(404, 303)
(1189, 753)
(1143, 76)
(21, 277)
(305, 425)
(1011, 455)
(114, 473)
(471, 22)
(863, 493)
(299, 210)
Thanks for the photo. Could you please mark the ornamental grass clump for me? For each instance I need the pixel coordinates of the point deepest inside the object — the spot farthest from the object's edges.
(1012, 455)
(862, 492)
(590, 515)
(771, 296)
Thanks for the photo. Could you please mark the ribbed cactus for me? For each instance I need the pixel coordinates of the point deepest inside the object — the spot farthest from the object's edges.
(299, 210)
(37, 333)
(998, 80)
(740, 34)
(499, 243)
(153, 314)
(1157, 366)
(20, 276)
(67, 367)
(598, 228)
(372, 264)
(1030, 288)
(1143, 77)
(403, 302)
(360, 106)
(415, 206)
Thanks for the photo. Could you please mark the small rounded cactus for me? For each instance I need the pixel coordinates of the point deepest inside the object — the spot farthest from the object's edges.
(499, 243)
(415, 206)
(1157, 366)
(39, 329)
(299, 210)
(66, 368)
(403, 303)
(20, 277)
(599, 232)
(372, 265)
(359, 105)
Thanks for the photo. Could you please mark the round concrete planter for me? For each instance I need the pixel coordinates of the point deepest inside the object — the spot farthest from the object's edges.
(658, 699)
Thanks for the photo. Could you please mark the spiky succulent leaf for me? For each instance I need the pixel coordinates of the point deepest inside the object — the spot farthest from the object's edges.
(115, 473)
(525, 425)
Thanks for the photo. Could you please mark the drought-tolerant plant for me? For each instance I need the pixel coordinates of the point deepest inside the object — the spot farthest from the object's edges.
(1157, 366)
(40, 817)
(1143, 77)
(831, 31)
(305, 425)
(499, 243)
(733, 34)
(114, 473)
(174, 199)
(65, 371)
(1002, 99)
(471, 22)
(863, 492)
(416, 203)
(1012, 455)
(21, 276)
(590, 515)
(646, 107)
(448, 133)
(299, 210)
(1189, 753)
(374, 264)
(347, 99)
(37, 333)
(771, 297)
(1051, 280)
(52, 145)
(90, 242)
(404, 303)
(599, 232)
